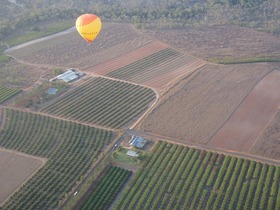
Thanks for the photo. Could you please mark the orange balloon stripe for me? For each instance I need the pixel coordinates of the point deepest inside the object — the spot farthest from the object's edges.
(86, 19)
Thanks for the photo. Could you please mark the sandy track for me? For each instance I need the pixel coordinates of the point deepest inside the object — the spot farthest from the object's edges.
(245, 125)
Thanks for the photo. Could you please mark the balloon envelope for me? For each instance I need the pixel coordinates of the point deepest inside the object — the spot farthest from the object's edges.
(89, 26)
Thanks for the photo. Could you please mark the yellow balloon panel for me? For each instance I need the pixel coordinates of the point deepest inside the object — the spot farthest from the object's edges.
(89, 26)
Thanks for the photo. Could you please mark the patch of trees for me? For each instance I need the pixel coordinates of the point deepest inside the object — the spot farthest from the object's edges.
(260, 14)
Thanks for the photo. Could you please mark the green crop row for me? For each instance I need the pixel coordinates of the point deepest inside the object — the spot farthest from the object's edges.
(106, 190)
(103, 102)
(6, 93)
(143, 65)
(69, 147)
(178, 177)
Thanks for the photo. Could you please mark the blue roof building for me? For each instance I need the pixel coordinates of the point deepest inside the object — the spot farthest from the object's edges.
(137, 142)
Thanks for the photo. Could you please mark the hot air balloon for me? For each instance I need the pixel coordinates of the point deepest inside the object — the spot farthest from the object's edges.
(89, 26)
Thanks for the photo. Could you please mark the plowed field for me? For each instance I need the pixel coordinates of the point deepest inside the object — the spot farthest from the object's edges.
(242, 129)
(268, 142)
(199, 105)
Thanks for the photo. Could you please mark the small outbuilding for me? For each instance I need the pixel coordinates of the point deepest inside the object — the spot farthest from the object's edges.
(132, 153)
(51, 91)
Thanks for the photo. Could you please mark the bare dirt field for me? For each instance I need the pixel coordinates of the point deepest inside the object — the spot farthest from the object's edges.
(268, 143)
(16, 168)
(70, 50)
(220, 41)
(200, 104)
(242, 129)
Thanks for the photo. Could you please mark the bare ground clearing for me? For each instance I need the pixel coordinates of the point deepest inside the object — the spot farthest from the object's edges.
(222, 41)
(268, 143)
(200, 104)
(16, 168)
(242, 129)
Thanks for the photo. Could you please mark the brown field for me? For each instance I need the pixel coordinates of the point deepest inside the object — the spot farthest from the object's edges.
(126, 59)
(200, 104)
(165, 80)
(70, 50)
(220, 41)
(268, 142)
(16, 168)
(242, 129)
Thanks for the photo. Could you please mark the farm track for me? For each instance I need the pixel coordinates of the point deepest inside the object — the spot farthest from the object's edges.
(245, 155)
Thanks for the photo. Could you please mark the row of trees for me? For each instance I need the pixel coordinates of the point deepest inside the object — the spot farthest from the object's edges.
(177, 177)
(111, 103)
(69, 147)
(261, 14)
(105, 191)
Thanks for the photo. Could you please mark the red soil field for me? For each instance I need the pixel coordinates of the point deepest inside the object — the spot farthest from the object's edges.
(128, 58)
(248, 121)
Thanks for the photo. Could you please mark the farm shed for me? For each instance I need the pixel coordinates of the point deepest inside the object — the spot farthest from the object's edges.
(132, 153)
(68, 76)
(137, 142)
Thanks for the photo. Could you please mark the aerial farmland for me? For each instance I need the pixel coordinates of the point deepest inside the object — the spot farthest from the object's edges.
(212, 128)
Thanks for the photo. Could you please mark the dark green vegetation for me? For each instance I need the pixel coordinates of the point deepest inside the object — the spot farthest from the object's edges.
(260, 14)
(245, 60)
(138, 67)
(6, 93)
(69, 147)
(106, 190)
(103, 102)
(178, 177)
